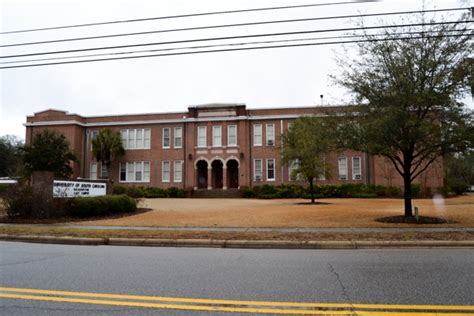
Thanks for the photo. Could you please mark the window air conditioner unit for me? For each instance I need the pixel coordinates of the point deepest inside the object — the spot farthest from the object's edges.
(258, 178)
(343, 177)
(270, 143)
(357, 177)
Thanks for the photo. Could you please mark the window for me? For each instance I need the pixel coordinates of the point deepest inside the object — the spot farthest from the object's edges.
(138, 171)
(202, 139)
(257, 135)
(166, 137)
(293, 175)
(93, 136)
(232, 135)
(356, 168)
(135, 138)
(270, 169)
(93, 171)
(270, 134)
(104, 171)
(178, 170)
(216, 136)
(178, 137)
(165, 172)
(257, 169)
(343, 168)
(290, 124)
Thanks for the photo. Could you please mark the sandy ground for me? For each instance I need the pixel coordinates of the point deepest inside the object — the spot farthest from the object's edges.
(291, 213)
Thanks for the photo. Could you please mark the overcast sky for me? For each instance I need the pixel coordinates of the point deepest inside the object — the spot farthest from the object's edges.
(281, 77)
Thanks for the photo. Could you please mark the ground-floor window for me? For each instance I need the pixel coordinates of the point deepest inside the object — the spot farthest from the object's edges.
(137, 171)
(257, 169)
(270, 169)
(342, 168)
(104, 171)
(356, 168)
(165, 172)
(93, 171)
(178, 170)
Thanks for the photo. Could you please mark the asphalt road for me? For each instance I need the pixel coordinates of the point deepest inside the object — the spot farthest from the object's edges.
(408, 277)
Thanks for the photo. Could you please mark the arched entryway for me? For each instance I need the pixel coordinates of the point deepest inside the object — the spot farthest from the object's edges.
(217, 174)
(232, 174)
(201, 167)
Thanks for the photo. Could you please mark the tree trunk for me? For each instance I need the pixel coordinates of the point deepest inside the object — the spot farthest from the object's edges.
(311, 190)
(407, 192)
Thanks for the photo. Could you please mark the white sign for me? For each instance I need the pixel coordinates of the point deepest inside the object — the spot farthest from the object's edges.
(75, 188)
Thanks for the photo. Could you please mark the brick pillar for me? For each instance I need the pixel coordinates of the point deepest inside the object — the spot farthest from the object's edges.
(209, 178)
(224, 178)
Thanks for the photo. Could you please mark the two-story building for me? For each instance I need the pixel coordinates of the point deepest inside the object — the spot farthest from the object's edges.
(211, 146)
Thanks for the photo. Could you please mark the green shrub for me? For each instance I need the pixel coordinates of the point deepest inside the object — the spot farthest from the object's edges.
(175, 193)
(100, 205)
(21, 201)
(119, 189)
(153, 192)
(248, 192)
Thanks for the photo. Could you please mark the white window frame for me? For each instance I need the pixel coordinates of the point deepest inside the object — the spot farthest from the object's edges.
(270, 137)
(163, 138)
(217, 136)
(343, 174)
(202, 136)
(229, 142)
(259, 176)
(164, 172)
(357, 175)
(131, 141)
(93, 171)
(178, 171)
(274, 169)
(178, 137)
(130, 169)
(257, 137)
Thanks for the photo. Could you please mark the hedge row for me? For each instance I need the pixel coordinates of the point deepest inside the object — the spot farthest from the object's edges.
(100, 205)
(286, 191)
(149, 192)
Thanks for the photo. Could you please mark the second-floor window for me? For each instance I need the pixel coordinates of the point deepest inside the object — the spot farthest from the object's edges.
(257, 135)
(135, 138)
(216, 136)
(232, 135)
(166, 137)
(201, 135)
(178, 137)
(270, 134)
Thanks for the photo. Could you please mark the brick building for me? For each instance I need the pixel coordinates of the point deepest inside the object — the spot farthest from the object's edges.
(210, 146)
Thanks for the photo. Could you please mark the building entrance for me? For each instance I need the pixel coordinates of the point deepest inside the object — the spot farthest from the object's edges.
(217, 174)
(201, 174)
(232, 174)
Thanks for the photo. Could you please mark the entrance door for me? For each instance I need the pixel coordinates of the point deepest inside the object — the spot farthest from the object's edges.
(201, 174)
(217, 175)
(233, 173)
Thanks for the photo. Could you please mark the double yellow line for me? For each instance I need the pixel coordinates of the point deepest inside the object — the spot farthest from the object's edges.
(233, 306)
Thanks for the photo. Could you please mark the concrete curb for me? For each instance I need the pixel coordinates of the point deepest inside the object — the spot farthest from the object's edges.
(246, 244)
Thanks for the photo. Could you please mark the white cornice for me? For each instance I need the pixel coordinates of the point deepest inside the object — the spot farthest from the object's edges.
(169, 121)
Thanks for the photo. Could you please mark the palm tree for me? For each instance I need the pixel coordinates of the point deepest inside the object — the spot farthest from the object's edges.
(107, 147)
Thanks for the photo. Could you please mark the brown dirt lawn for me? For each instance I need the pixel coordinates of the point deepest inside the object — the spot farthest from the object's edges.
(291, 213)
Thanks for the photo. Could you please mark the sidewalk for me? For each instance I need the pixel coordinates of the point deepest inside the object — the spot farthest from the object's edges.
(209, 242)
